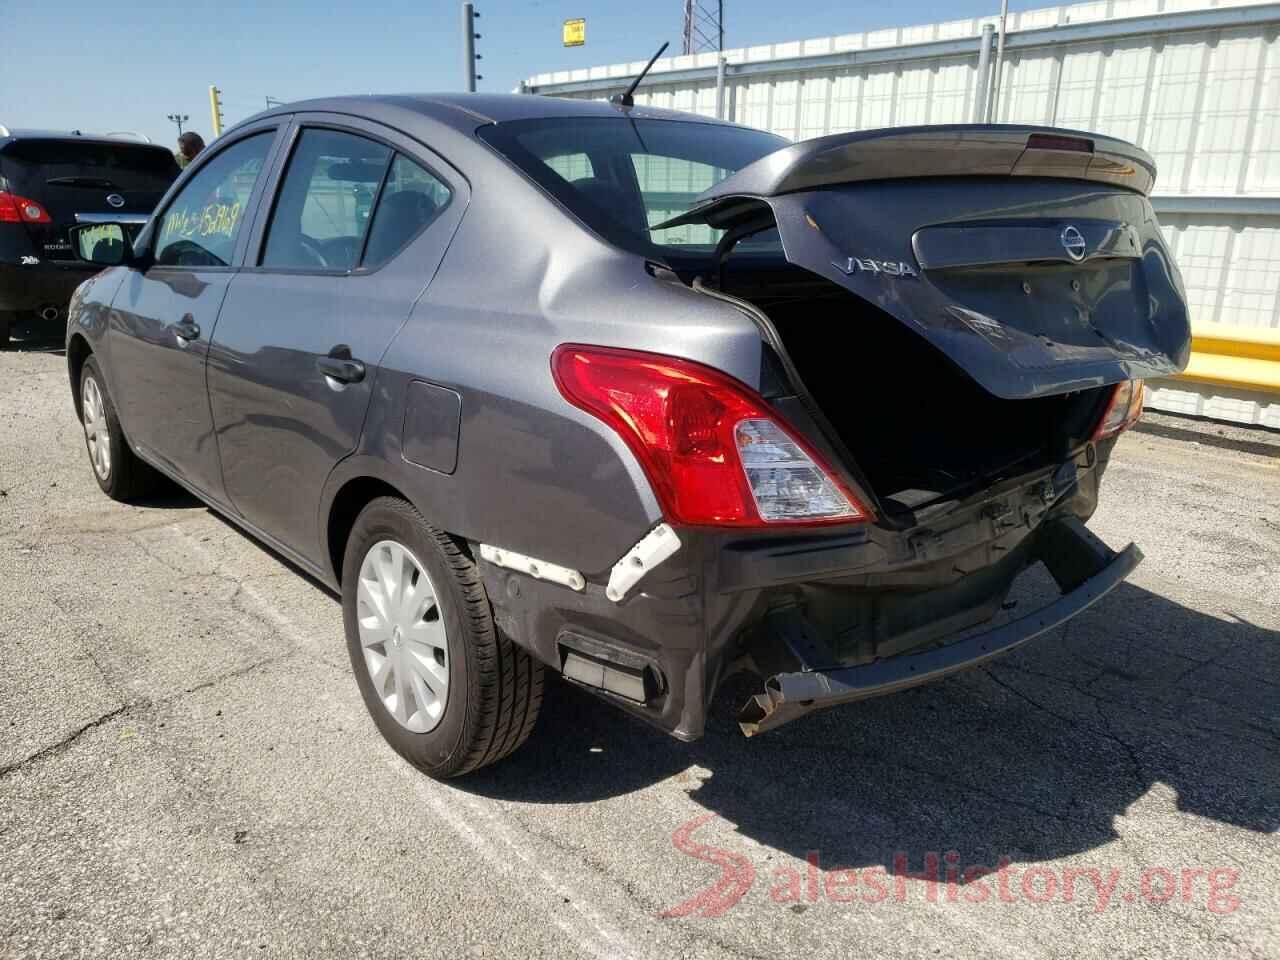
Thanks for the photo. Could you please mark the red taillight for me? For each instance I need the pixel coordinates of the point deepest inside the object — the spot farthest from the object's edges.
(15, 209)
(1123, 409)
(714, 452)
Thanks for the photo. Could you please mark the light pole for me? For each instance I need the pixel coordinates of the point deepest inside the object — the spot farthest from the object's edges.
(179, 119)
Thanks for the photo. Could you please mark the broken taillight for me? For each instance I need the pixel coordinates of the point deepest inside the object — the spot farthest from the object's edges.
(714, 452)
(1123, 409)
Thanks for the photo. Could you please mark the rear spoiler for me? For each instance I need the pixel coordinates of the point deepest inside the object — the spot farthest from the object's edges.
(948, 150)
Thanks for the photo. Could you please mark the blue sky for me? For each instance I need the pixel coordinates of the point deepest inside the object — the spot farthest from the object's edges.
(124, 65)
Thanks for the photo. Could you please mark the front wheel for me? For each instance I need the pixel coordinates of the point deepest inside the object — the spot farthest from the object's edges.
(446, 689)
(119, 472)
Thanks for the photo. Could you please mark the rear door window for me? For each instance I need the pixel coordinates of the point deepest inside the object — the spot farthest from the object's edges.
(200, 226)
(326, 202)
(411, 199)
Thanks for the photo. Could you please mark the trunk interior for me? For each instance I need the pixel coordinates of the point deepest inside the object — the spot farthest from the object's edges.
(918, 426)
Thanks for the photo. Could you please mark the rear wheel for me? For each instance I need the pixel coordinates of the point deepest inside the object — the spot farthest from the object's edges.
(119, 472)
(446, 689)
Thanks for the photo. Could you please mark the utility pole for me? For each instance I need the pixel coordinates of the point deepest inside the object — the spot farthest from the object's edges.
(215, 109)
(703, 26)
(179, 119)
(469, 55)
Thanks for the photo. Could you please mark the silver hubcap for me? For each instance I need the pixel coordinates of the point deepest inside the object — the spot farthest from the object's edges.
(403, 636)
(95, 428)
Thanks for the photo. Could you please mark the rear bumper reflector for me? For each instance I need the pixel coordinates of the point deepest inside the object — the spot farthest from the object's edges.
(607, 665)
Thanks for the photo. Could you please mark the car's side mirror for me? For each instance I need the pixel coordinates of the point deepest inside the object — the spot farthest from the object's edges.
(106, 244)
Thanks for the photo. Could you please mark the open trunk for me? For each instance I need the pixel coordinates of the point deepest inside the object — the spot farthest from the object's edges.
(956, 301)
(919, 427)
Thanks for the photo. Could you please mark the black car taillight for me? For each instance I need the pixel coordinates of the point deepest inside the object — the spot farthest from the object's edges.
(16, 209)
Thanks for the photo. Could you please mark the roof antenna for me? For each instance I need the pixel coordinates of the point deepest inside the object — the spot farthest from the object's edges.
(625, 99)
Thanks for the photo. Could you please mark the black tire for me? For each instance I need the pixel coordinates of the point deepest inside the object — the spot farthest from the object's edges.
(494, 686)
(6, 324)
(127, 478)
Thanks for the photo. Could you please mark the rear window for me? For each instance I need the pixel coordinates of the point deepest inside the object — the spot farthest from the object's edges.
(622, 176)
(30, 164)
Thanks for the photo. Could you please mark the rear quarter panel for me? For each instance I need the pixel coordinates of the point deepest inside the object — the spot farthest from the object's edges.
(534, 473)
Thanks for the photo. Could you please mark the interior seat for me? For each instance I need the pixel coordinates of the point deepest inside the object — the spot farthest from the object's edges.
(400, 215)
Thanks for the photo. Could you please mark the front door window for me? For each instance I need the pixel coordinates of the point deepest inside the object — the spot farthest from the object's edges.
(200, 227)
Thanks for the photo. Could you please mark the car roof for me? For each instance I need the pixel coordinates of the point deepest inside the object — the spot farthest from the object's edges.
(466, 111)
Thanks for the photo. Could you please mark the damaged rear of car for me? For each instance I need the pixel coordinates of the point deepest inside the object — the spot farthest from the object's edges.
(637, 397)
(955, 326)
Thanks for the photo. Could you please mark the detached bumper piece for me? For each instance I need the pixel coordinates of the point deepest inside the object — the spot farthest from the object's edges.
(1084, 568)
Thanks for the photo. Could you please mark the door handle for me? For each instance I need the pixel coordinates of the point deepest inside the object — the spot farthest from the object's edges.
(186, 328)
(342, 369)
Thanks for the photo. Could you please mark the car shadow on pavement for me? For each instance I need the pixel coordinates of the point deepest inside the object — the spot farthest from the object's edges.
(1032, 757)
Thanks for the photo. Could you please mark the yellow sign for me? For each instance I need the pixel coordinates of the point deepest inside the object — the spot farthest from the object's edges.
(575, 33)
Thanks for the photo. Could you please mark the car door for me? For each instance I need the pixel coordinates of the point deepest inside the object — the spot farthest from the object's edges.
(163, 316)
(358, 225)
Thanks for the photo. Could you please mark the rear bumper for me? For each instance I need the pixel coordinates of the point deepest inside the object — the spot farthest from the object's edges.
(867, 600)
(26, 289)
(790, 695)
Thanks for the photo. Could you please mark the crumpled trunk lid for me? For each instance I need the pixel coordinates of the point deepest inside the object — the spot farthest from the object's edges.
(1030, 268)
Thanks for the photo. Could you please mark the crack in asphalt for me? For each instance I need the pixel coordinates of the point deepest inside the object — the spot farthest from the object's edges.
(142, 705)
(1100, 700)
(66, 741)
(966, 786)
(1107, 734)
(232, 675)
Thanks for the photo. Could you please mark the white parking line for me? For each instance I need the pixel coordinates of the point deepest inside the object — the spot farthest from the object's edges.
(497, 841)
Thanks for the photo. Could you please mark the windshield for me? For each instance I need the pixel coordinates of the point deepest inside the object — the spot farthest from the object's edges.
(621, 176)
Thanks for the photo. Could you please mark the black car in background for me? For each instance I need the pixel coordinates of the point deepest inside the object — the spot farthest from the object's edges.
(49, 182)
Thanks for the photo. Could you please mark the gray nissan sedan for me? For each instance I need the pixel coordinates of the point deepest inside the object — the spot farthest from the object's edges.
(636, 396)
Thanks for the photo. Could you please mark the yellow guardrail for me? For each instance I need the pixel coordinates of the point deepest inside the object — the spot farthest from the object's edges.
(1243, 357)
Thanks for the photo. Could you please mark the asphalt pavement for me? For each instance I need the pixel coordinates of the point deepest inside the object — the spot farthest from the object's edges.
(187, 770)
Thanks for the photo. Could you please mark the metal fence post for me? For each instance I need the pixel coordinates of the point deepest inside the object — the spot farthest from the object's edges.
(719, 86)
(982, 90)
(994, 113)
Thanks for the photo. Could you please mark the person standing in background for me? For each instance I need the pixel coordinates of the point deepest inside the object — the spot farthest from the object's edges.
(189, 145)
